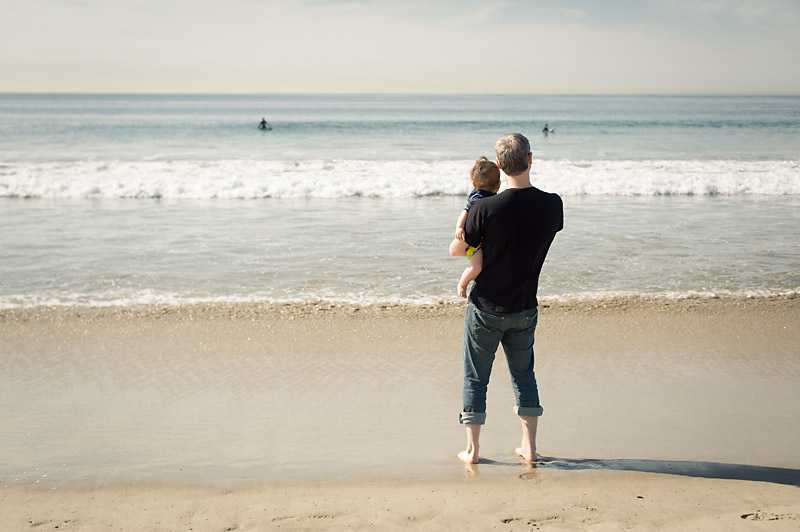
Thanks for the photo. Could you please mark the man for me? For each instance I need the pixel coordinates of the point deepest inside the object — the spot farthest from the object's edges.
(515, 228)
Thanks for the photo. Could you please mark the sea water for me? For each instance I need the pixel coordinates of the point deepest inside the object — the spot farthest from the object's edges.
(126, 199)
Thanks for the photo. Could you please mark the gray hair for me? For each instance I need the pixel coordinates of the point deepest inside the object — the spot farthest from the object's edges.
(512, 151)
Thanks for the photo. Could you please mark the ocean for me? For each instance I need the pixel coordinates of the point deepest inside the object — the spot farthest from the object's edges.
(117, 200)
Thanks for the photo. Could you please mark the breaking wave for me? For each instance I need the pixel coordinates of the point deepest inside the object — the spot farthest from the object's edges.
(253, 179)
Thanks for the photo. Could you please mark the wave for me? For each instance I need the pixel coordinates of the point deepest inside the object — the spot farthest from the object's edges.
(253, 179)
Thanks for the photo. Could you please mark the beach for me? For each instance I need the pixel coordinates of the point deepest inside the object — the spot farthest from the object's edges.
(660, 413)
(579, 501)
(228, 302)
(204, 326)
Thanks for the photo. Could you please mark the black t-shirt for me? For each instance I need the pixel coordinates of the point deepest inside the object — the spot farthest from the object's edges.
(516, 227)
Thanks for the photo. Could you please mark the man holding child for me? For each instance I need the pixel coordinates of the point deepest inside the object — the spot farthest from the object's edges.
(514, 229)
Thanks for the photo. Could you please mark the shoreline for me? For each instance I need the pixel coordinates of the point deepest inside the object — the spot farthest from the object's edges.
(442, 308)
(259, 417)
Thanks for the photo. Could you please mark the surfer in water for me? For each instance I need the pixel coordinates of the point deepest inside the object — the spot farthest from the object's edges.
(264, 125)
(547, 129)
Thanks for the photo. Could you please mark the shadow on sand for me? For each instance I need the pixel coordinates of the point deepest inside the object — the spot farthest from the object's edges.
(775, 475)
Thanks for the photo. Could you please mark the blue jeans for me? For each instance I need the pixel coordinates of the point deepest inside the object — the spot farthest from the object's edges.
(483, 332)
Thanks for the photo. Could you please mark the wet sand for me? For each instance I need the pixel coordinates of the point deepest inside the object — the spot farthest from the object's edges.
(320, 416)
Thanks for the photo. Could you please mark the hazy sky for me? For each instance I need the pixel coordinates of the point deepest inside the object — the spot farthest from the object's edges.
(494, 46)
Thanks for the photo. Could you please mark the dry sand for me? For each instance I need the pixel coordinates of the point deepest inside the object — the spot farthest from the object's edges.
(659, 414)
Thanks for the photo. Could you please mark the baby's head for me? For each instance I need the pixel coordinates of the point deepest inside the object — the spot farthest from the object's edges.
(485, 175)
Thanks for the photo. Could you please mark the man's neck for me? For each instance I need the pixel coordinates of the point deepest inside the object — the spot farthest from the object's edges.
(522, 180)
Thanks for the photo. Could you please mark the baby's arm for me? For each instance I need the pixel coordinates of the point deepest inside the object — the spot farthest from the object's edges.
(470, 272)
(462, 221)
(458, 248)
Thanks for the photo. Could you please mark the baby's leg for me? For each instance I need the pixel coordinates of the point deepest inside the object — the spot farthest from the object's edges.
(470, 272)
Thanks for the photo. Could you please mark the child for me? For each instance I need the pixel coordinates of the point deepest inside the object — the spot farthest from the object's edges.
(485, 177)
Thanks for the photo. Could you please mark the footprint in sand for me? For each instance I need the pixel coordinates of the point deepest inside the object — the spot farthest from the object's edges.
(766, 516)
(535, 522)
(304, 517)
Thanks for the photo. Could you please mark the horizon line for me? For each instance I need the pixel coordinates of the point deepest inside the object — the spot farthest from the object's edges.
(364, 93)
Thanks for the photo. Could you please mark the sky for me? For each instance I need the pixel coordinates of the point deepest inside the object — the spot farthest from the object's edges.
(394, 46)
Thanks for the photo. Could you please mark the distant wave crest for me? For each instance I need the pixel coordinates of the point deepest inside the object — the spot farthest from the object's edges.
(252, 179)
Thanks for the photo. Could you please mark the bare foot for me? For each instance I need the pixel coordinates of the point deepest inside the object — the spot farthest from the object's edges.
(468, 457)
(528, 456)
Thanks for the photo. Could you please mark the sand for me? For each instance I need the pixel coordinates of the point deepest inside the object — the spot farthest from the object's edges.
(584, 501)
(660, 414)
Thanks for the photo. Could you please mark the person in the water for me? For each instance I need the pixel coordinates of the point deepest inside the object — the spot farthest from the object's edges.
(264, 125)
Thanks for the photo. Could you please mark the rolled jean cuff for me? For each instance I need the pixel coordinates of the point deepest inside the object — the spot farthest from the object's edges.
(534, 411)
(472, 418)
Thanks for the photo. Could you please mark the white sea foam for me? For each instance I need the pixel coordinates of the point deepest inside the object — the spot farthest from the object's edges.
(251, 179)
(150, 298)
(649, 178)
